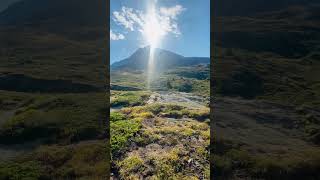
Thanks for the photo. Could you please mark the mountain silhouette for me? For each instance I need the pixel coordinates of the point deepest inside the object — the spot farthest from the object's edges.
(164, 59)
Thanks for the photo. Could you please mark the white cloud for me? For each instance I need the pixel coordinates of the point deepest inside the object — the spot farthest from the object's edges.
(172, 12)
(121, 18)
(134, 20)
(133, 16)
(115, 37)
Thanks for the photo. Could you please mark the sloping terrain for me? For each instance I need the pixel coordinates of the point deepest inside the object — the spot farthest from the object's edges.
(162, 132)
(253, 7)
(51, 13)
(52, 73)
(266, 101)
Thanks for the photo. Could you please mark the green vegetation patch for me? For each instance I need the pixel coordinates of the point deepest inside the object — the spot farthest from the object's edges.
(167, 110)
(131, 165)
(28, 170)
(85, 160)
(56, 118)
(126, 98)
(164, 143)
(230, 158)
(121, 131)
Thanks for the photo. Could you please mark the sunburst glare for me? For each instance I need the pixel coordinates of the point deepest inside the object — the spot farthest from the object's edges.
(152, 32)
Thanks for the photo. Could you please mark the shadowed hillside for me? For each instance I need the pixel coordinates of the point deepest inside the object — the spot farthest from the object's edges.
(61, 40)
(51, 13)
(253, 7)
(53, 101)
(266, 101)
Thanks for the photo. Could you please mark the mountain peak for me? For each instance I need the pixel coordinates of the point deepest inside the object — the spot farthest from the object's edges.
(164, 60)
(145, 51)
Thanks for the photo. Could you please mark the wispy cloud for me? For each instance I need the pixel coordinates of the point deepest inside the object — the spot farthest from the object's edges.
(134, 20)
(172, 12)
(123, 18)
(115, 36)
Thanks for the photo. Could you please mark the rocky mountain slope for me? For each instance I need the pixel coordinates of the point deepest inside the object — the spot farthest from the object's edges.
(164, 60)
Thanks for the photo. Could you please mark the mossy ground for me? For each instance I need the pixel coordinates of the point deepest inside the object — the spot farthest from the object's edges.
(53, 136)
(155, 139)
(266, 106)
(56, 134)
(160, 141)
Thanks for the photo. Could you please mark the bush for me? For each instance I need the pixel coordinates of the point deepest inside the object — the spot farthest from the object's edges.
(185, 87)
(129, 99)
(121, 132)
(64, 118)
(155, 108)
(117, 116)
(14, 171)
(130, 165)
(79, 161)
(173, 114)
(29, 125)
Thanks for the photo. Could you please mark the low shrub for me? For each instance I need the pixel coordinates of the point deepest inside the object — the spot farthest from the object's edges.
(133, 163)
(117, 116)
(121, 131)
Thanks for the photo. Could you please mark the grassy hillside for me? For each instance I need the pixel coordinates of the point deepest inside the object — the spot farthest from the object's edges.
(53, 102)
(58, 134)
(54, 56)
(191, 79)
(266, 104)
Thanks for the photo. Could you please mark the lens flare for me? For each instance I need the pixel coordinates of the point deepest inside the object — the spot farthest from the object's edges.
(153, 33)
(152, 29)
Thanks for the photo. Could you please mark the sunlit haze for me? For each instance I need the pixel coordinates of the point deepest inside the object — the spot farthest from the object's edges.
(152, 30)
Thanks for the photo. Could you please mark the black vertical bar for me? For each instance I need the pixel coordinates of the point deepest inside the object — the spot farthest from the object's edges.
(108, 85)
(212, 60)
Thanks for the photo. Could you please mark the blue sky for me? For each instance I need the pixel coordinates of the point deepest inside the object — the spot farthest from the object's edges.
(188, 31)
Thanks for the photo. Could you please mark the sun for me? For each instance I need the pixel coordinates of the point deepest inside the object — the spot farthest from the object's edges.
(152, 30)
